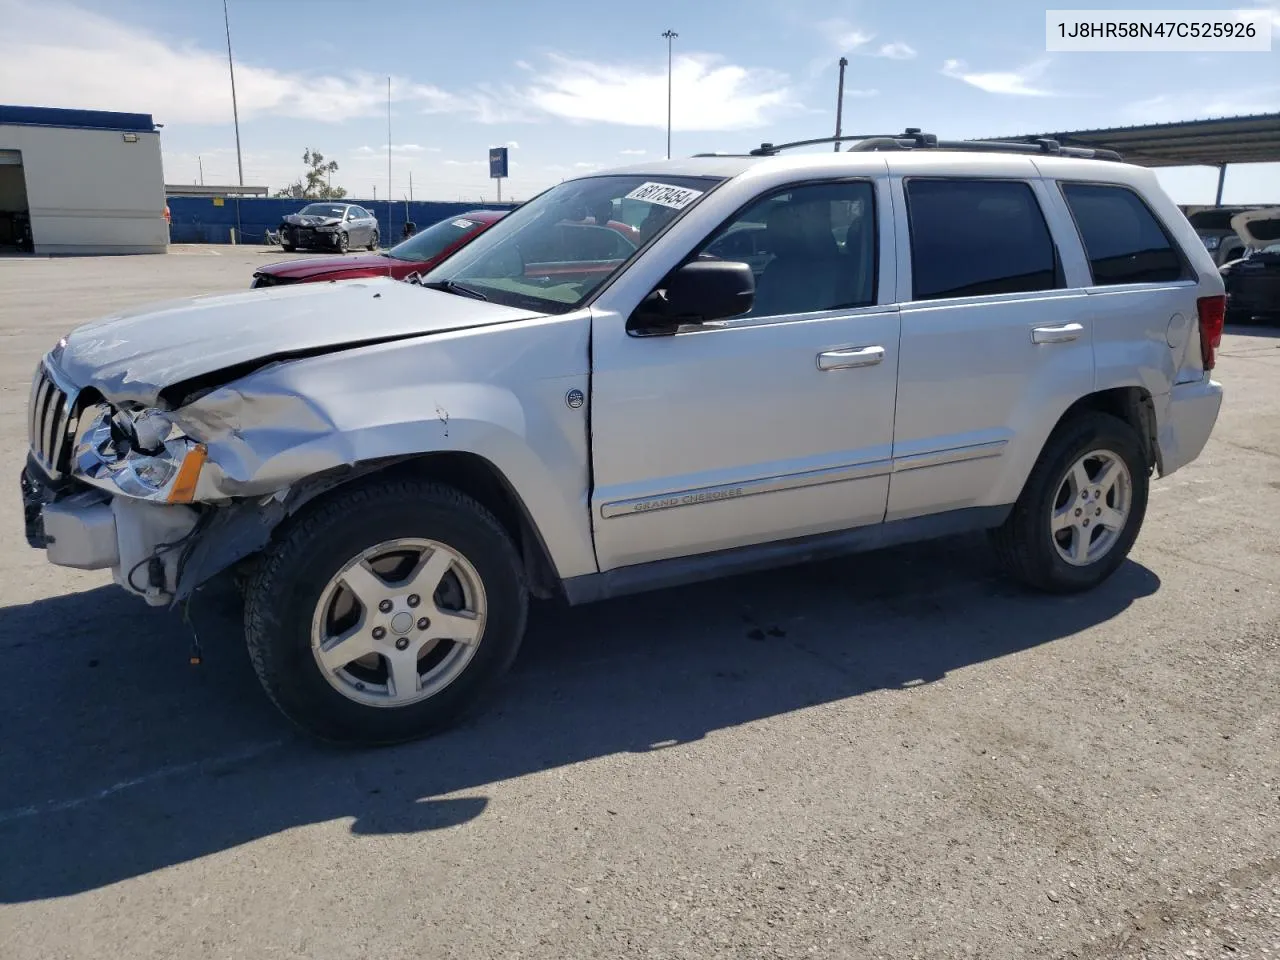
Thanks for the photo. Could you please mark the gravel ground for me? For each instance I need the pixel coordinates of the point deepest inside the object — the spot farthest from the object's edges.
(896, 755)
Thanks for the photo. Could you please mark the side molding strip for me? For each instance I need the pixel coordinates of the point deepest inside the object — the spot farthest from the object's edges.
(731, 491)
(796, 481)
(939, 458)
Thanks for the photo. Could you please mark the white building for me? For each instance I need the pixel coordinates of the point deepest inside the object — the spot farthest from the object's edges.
(89, 181)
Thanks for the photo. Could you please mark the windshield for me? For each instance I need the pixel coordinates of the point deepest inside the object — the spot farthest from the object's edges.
(322, 210)
(435, 239)
(553, 252)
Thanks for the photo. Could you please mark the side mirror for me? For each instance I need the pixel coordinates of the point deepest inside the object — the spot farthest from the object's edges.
(698, 292)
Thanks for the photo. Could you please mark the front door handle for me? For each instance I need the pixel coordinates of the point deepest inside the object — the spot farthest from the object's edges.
(854, 357)
(1063, 334)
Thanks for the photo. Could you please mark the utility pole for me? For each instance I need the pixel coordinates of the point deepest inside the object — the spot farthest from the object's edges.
(235, 110)
(200, 160)
(670, 35)
(411, 186)
(389, 194)
(840, 104)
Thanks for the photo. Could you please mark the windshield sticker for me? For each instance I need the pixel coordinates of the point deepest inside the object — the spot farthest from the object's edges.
(664, 195)
(464, 224)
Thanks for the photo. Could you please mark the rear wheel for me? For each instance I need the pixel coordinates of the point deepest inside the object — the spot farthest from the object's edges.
(373, 241)
(1081, 508)
(385, 612)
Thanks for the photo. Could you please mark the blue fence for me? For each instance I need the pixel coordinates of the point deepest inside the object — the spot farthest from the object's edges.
(199, 220)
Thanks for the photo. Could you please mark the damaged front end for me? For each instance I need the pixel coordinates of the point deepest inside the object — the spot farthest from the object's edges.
(165, 499)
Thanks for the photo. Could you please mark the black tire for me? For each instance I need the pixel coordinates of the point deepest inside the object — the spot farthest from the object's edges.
(373, 241)
(287, 243)
(284, 589)
(344, 241)
(1024, 543)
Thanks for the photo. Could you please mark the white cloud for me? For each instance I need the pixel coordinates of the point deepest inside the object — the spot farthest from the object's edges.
(860, 94)
(709, 94)
(896, 51)
(1013, 83)
(465, 163)
(844, 36)
(87, 60)
(512, 145)
(633, 153)
(524, 65)
(583, 165)
(397, 149)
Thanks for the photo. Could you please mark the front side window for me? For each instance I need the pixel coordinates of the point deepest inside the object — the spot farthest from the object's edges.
(976, 238)
(811, 248)
(1122, 238)
(556, 250)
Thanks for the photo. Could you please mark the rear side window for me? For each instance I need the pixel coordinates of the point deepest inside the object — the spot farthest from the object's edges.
(1123, 240)
(977, 237)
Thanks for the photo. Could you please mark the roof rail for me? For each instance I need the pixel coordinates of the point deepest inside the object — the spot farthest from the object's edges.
(771, 149)
(914, 139)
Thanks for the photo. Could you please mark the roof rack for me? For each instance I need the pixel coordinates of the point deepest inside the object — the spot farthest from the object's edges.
(913, 139)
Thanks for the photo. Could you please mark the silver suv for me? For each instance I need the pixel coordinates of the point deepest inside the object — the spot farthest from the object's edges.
(781, 357)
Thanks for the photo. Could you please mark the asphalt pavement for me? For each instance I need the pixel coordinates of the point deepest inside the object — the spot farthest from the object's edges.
(894, 755)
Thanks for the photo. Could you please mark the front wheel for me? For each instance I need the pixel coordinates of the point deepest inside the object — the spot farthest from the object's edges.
(385, 612)
(287, 243)
(1081, 508)
(373, 241)
(344, 241)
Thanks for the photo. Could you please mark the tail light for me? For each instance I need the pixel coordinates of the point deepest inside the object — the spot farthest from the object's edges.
(1213, 313)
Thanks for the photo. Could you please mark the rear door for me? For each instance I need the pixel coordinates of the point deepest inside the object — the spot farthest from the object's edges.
(995, 345)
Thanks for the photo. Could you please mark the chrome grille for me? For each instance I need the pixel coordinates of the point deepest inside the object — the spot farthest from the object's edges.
(49, 423)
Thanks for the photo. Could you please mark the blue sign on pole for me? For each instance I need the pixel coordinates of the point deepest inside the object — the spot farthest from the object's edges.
(497, 162)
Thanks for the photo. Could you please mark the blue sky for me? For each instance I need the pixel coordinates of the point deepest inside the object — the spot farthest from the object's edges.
(576, 86)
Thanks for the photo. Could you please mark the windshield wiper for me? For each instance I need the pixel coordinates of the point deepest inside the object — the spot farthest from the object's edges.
(453, 286)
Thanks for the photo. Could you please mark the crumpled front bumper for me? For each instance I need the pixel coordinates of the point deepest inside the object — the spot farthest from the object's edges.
(88, 529)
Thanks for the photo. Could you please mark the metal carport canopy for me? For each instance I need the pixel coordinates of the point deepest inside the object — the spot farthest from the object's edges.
(1214, 143)
(1189, 143)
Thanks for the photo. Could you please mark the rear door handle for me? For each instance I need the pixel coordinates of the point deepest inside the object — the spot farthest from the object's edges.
(853, 357)
(1063, 334)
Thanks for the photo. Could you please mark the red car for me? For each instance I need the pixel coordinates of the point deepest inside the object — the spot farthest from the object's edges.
(419, 253)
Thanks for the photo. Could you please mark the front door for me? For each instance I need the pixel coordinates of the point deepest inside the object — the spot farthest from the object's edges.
(770, 426)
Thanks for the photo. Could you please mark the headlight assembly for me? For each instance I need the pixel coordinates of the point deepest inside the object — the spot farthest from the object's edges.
(141, 454)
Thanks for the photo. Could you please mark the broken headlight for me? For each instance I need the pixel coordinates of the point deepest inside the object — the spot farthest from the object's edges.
(141, 454)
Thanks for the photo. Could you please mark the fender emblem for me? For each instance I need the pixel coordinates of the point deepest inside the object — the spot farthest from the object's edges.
(574, 398)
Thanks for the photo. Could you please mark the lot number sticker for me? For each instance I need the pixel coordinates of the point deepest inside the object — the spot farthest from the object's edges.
(463, 223)
(664, 195)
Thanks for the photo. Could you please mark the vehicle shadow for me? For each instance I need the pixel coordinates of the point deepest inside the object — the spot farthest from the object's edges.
(120, 758)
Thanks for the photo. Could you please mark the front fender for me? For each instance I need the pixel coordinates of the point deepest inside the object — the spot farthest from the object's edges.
(295, 420)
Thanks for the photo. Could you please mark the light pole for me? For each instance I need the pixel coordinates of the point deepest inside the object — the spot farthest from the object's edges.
(670, 35)
(840, 103)
(235, 110)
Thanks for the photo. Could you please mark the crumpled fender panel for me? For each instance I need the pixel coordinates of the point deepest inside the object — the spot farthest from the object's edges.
(294, 420)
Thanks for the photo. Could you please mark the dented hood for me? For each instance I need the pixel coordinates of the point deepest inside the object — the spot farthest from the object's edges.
(132, 356)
